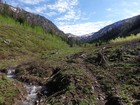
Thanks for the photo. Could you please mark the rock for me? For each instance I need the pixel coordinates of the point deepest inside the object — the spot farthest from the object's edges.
(63, 97)
(7, 41)
(114, 100)
(83, 56)
(101, 98)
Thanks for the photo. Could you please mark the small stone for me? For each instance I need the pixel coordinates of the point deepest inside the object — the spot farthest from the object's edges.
(63, 97)
(101, 97)
(7, 41)
(92, 91)
(96, 82)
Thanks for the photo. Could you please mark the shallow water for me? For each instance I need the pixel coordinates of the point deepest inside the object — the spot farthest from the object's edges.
(32, 90)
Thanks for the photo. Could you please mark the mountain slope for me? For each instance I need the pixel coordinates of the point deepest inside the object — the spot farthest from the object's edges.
(119, 29)
(17, 40)
(20, 44)
(31, 19)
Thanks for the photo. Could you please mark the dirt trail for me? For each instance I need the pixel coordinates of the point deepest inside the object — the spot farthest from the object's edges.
(97, 91)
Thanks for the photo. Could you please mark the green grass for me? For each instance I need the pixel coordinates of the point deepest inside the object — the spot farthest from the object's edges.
(19, 42)
(76, 82)
(7, 21)
(120, 76)
(7, 91)
(22, 34)
(126, 39)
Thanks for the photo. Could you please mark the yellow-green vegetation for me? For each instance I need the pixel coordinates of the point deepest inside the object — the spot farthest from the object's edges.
(7, 21)
(18, 42)
(126, 39)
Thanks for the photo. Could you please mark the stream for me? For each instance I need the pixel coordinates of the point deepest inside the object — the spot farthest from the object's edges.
(32, 90)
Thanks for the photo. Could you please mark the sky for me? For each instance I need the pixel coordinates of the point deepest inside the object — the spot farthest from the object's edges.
(80, 17)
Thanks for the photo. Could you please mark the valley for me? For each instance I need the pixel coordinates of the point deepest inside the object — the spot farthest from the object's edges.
(39, 67)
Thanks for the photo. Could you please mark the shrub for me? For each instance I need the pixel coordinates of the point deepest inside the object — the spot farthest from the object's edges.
(125, 39)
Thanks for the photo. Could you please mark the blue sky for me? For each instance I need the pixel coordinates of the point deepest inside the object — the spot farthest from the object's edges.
(81, 17)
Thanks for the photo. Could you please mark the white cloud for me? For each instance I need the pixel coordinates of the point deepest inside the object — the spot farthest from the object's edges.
(109, 9)
(67, 9)
(59, 6)
(125, 9)
(50, 14)
(130, 4)
(32, 2)
(70, 15)
(123, 14)
(62, 6)
(40, 9)
(129, 13)
(84, 28)
(135, 3)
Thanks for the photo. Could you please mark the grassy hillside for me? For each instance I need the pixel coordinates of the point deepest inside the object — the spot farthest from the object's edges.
(95, 76)
(19, 41)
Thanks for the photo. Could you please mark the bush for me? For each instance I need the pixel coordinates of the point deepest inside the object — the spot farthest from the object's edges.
(125, 39)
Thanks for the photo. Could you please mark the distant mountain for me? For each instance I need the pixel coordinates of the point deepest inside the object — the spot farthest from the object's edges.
(71, 35)
(121, 28)
(30, 18)
(86, 37)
